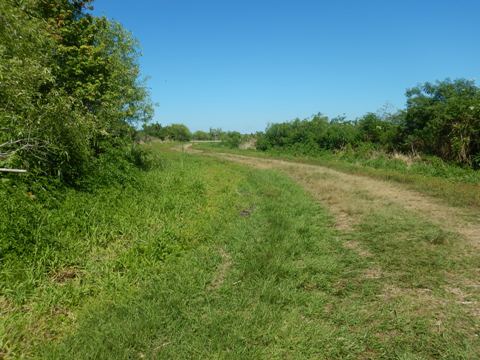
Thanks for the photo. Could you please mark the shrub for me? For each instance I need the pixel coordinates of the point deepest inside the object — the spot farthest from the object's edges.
(69, 87)
(441, 119)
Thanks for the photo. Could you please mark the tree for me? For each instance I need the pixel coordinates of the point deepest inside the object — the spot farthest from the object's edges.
(70, 87)
(215, 134)
(154, 129)
(201, 135)
(232, 139)
(379, 130)
(444, 119)
(177, 132)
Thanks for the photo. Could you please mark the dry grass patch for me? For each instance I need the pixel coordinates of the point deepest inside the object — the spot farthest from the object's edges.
(373, 273)
(355, 246)
(66, 274)
(222, 271)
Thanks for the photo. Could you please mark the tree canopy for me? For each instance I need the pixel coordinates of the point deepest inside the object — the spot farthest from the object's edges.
(444, 119)
(441, 119)
(69, 86)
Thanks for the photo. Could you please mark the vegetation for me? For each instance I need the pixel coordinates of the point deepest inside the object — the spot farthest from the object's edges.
(179, 132)
(201, 258)
(457, 185)
(201, 135)
(173, 132)
(74, 246)
(441, 119)
(444, 119)
(69, 89)
(114, 250)
(231, 139)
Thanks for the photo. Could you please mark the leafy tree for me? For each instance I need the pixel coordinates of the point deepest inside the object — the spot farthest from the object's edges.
(177, 132)
(69, 88)
(441, 119)
(232, 139)
(201, 135)
(340, 134)
(154, 129)
(371, 128)
(215, 134)
(444, 119)
(381, 131)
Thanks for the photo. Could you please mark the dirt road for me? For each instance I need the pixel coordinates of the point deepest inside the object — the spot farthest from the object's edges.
(349, 197)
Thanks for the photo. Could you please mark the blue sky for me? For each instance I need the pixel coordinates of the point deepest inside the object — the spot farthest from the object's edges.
(239, 65)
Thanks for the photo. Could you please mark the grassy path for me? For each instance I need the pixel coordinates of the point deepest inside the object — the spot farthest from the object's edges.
(349, 196)
(234, 262)
(454, 186)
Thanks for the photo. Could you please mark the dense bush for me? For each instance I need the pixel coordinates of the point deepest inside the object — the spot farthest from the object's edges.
(211, 135)
(441, 119)
(201, 135)
(310, 135)
(175, 132)
(232, 139)
(69, 87)
(375, 130)
(179, 132)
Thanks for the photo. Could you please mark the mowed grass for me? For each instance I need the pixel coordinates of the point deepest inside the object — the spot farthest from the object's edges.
(207, 259)
(453, 184)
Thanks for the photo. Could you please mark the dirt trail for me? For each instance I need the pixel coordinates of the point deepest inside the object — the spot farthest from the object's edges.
(350, 196)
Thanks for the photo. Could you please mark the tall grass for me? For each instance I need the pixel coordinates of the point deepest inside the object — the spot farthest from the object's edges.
(62, 248)
(199, 258)
(289, 288)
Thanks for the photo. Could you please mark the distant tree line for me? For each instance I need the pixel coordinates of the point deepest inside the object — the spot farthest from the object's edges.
(174, 132)
(69, 87)
(180, 132)
(441, 119)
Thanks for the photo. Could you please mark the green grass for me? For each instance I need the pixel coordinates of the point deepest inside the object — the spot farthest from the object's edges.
(207, 259)
(100, 244)
(457, 186)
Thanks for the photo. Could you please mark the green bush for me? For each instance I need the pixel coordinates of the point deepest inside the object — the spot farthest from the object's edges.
(69, 87)
(441, 119)
(232, 139)
(175, 132)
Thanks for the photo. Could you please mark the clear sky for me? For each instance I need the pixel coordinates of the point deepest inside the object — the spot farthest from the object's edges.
(241, 64)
